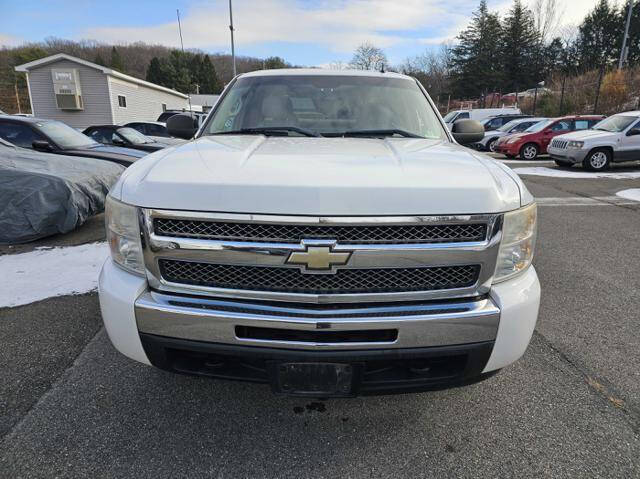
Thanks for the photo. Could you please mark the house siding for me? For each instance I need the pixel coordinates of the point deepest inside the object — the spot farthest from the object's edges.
(143, 103)
(95, 96)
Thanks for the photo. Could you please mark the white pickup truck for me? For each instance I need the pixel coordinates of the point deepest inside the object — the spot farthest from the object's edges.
(324, 233)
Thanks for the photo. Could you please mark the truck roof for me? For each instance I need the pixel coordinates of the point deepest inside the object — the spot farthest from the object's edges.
(323, 72)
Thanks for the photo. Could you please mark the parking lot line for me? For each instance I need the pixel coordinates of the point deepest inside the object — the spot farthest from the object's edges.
(585, 201)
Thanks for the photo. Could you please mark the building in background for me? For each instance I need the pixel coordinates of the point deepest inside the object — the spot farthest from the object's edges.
(82, 93)
(205, 101)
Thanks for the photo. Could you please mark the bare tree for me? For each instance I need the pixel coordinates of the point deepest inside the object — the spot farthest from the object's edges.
(368, 57)
(547, 16)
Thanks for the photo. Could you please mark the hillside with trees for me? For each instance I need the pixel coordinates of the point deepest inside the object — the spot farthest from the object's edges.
(191, 71)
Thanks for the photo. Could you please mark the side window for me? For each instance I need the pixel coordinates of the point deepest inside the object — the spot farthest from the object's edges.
(137, 126)
(19, 135)
(592, 123)
(156, 130)
(463, 116)
(561, 126)
(122, 101)
(101, 135)
(581, 125)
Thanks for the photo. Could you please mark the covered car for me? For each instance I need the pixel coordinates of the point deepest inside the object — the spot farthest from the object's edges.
(42, 194)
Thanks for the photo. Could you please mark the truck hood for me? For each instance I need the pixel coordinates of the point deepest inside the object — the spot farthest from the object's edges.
(321, 177)
(588, 135)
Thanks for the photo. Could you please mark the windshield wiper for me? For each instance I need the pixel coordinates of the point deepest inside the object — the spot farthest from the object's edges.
(376, 133)
(266, 130)
(601, 129)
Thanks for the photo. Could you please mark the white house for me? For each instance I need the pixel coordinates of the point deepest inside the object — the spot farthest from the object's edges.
(82, 93)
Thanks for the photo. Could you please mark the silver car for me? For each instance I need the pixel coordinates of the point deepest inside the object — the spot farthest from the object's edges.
(514, 126)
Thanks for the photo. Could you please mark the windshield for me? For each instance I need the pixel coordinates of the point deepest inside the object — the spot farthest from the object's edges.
(507, 126)
(64, 136)
(134, 136)
(539, 126)
(450, 116)
(331, 105)
(615, 124)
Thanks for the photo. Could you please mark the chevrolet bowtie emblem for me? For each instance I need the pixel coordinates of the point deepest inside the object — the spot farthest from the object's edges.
(318, 258)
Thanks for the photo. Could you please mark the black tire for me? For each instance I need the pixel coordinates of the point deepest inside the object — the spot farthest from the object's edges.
(529, 152)
(597, 160)
(563, 164)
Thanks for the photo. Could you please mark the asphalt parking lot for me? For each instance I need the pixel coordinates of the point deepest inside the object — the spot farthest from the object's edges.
(71, 406)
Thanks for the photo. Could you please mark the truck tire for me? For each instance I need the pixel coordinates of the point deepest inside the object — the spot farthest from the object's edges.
(597, 160)
(563, 164)
(529, 152)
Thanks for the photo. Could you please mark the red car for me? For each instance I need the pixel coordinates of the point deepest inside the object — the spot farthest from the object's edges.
(534, 141)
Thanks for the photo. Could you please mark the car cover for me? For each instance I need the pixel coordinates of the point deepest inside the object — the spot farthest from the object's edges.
(42, 194)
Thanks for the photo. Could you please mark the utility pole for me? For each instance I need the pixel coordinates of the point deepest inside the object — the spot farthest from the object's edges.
(182, 48)
(15, 86)
(625, 48)
(233, 48)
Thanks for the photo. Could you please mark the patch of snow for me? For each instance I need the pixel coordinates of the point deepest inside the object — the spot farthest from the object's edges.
(44, 273)
(558, 173)
(631, 194)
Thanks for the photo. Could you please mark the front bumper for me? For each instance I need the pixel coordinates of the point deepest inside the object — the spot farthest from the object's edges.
(512, 149)
(568, 155)
(477, 336)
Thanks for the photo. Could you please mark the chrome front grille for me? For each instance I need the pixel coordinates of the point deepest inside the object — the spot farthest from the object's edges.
(292, 280)
(560, 144)
(344, 234)
(388, 258)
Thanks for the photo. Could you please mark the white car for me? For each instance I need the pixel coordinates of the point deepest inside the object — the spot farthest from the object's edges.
(514, 126)
(614, 139)
(477, 114)
(325, 234)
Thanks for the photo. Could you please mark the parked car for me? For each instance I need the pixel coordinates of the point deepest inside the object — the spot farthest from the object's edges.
(156, 131)
(123, 136)
(614, 139)
(340, 244)
(534, 141)
(44, 194)
(51, 136)
(494, 122)
(478, 114)
(514, 126)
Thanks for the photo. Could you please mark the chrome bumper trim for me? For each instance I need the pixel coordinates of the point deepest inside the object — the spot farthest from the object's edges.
(422, 325)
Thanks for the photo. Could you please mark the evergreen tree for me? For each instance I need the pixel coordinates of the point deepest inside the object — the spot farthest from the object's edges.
(273, 63)
(116, 60)
(155, 72)
(521, 61)
(209, 82)
(475, 61)
(600, 37)
(633, 42)
(99, 60)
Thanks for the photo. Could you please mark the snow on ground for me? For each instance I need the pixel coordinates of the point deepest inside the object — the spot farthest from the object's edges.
(43, 273)
(632, 194)
(557, 173)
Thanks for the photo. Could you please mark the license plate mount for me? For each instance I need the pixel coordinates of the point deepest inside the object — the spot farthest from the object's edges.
(313, 379)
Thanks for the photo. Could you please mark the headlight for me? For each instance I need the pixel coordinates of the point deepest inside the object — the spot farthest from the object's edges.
(576, 145)
(123, 235)
(518, 242)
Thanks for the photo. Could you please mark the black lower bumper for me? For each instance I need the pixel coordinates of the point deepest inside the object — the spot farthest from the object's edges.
(383, 371)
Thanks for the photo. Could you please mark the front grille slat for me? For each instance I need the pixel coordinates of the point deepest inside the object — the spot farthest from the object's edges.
(344, 234)
(344, 281)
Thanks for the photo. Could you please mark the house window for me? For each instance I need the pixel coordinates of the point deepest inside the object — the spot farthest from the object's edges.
(164, 107)
(122, 101)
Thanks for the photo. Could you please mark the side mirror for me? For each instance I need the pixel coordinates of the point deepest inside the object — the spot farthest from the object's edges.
(467, 131)
(182, 125)
(633, 132)
(42, 145)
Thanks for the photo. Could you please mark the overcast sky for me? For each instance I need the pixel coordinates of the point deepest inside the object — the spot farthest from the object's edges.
(304, 32)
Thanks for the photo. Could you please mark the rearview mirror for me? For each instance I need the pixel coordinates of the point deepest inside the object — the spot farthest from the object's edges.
(42, 145)
(467, 131)
(182, 125)
(633, 132)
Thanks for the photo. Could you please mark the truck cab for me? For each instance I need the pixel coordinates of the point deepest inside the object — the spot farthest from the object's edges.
(323, 233)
